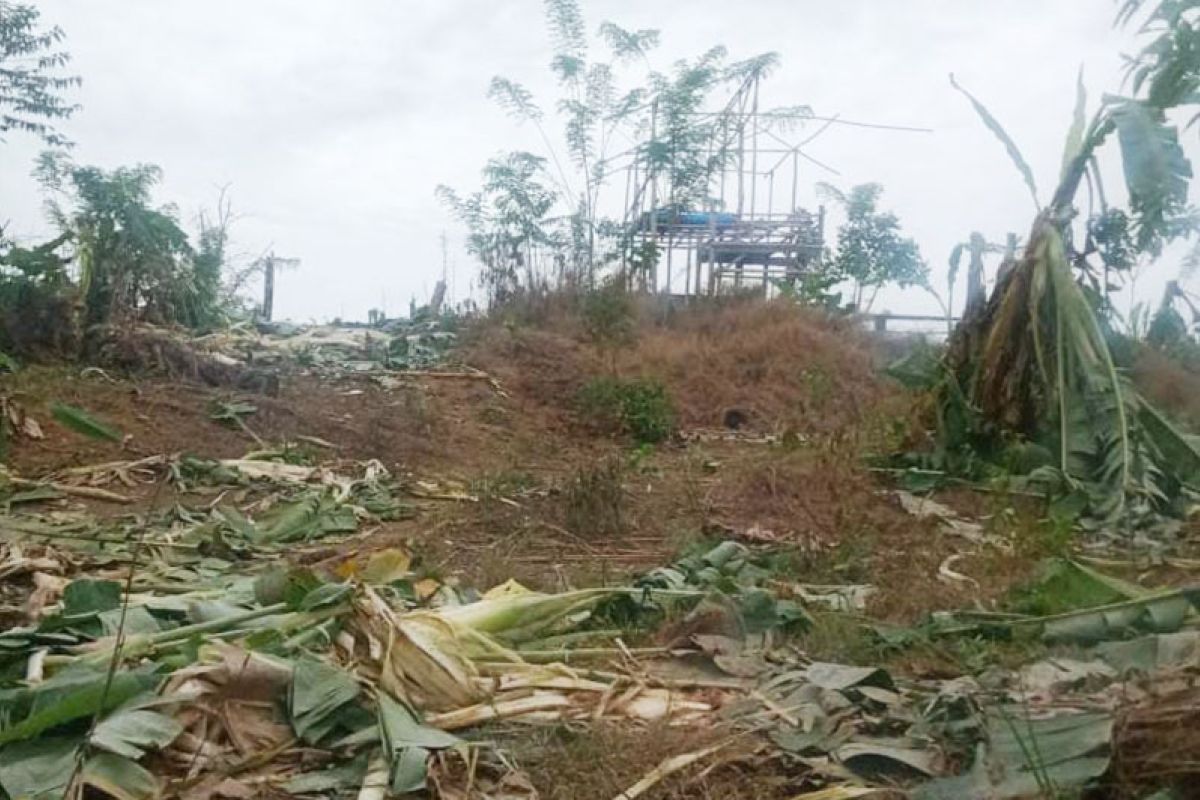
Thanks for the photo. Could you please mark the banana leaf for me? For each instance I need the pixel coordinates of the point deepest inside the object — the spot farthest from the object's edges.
(119, 777)
(1010, 146)
(407, 743)
(1024, 757)
(82, 422)
(1033, 362)
(73, 695)
(340, 778)
(130, 732)
(39, 768)
(318, 695)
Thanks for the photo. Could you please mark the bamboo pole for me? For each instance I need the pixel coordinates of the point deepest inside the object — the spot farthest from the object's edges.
(654, 196)
(625, 245)
(754, 150)
(795, 177)
(687, 275)
(670, 249)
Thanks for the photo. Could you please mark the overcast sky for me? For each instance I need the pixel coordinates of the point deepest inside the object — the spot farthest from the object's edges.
(332, 123)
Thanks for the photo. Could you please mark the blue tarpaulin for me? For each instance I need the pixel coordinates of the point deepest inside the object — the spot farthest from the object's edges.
(697, 218)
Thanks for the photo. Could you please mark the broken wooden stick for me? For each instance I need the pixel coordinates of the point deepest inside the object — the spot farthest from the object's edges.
(90, 492)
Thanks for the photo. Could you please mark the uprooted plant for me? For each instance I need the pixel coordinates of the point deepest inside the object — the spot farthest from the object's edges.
(1031, 367)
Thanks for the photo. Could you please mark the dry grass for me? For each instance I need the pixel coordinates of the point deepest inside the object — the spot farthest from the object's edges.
(1157, 745)
(785, 370)
(601, 761)
(779, 366)
(782, 367)
(1169, 385)
(812, 497)
(594, 500)
(544, 369)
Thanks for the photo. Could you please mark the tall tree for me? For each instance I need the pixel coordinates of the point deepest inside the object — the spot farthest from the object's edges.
(507, 224)
(681, 147)
(210, 263)
(871, 248)
(31, 80)
(592, 108)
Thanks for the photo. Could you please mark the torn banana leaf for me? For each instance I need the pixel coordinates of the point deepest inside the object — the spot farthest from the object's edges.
(407, 744)
(1024, 757)
(340, 778)
(420, 657)
(131, 732)
(41, 768)
(1150, 653)
(72, 694)
(891, 762)
(318, 696)
(38, 768)
(120, 778)
(305, 518)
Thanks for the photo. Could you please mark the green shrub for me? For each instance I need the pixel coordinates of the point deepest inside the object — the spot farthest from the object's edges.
(639, 407)
(609, 318)
(36, 300)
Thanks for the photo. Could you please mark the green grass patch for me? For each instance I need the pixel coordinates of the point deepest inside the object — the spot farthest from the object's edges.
(639, 407)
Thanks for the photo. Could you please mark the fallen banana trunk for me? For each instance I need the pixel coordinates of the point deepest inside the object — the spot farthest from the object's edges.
(431, 659)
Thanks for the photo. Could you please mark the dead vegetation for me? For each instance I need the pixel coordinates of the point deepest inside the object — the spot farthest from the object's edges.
(778, 368)
(1157, 742)
(770, 368)
(1169, 384)
(602, 541)
(145, 350)
(809, 563)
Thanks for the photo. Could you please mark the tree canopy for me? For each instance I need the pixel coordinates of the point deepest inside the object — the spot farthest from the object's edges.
(871, 248)
(608, 92)
(32, 84)
(134, 259)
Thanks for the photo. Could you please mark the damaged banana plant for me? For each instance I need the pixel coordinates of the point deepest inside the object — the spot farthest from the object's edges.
(1028, 382)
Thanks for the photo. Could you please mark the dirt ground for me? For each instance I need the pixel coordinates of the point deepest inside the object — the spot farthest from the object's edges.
(811, 403)
(508, 478)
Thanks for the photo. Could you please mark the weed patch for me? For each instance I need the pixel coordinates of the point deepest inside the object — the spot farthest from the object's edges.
(639, 407)
(595, 500)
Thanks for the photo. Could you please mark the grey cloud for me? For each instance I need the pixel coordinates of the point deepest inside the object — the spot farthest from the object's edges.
(333, 122)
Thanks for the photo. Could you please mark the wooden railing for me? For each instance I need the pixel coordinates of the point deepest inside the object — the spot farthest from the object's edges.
(879, 322)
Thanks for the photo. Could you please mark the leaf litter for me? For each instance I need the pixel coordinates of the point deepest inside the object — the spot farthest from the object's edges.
(236, 674)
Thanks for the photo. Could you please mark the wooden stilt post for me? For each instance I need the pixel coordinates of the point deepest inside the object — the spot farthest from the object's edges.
(268, 305)
(653, 197)
(795, 177)
(754, 151)
(670, 249)
(687, 275)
